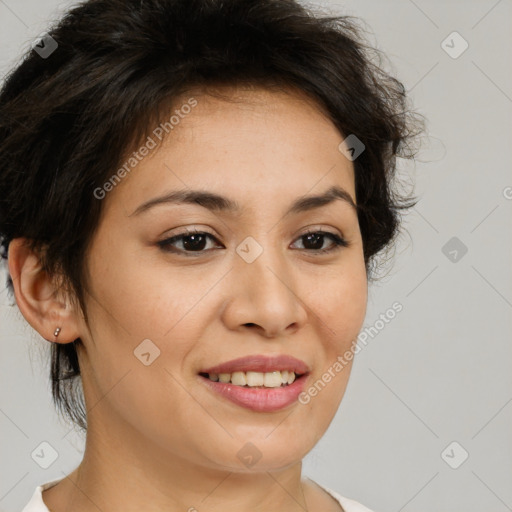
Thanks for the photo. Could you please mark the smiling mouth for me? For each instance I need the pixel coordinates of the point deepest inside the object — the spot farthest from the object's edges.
(275, 379)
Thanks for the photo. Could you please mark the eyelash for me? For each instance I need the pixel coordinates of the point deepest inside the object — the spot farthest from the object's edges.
(166, 245)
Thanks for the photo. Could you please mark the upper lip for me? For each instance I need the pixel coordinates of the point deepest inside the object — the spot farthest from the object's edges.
(260, 363)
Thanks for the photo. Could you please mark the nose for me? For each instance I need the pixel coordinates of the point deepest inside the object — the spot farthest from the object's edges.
(265, 296)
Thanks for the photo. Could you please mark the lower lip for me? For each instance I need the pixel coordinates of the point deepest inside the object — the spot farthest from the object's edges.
(259, 399)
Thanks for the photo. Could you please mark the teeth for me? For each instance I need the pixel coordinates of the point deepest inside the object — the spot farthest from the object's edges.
(238, 378)
(272, 380)
(255, 379)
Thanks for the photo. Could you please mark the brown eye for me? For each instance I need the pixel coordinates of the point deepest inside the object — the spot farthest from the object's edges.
(314, 240)
(190, 241)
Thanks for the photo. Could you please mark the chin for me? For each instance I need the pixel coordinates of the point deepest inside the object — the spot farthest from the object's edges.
(269, 449)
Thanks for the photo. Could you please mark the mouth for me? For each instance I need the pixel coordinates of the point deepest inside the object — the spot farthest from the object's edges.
(259, 383)
(253, 379)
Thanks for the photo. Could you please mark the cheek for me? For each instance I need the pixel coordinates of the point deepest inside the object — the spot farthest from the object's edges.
(145, 298)
(340, 307)
(340, 304)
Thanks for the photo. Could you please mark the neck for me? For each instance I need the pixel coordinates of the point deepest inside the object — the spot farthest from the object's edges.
(120, 472)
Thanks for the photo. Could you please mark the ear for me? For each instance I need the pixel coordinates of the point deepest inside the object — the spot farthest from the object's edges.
(37, 297)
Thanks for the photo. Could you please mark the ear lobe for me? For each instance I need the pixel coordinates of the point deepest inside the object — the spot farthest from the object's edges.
(37, 296)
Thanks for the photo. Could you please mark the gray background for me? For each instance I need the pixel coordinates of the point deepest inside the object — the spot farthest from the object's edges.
(439, 372)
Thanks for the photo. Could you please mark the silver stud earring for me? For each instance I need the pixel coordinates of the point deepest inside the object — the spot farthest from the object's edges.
(56, 333)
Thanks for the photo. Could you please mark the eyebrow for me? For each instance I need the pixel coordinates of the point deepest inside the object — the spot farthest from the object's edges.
(218, 203)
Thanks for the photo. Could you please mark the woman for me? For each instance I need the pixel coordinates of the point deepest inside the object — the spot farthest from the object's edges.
(193, 193)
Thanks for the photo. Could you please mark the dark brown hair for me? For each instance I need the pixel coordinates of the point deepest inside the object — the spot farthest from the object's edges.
(67, 120)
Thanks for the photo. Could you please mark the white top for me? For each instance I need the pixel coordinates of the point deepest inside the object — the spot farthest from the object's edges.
(36, 503)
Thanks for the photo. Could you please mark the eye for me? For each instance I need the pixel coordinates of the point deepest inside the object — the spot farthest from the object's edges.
(314, 241)
(191, 241)
(194, 241)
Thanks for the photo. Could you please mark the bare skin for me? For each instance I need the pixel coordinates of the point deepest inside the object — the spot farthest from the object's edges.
(158, 439)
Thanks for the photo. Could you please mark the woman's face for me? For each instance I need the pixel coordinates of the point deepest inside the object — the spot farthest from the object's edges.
(251, 285)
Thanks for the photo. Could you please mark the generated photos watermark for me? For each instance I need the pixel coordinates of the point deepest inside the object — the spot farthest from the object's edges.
(152, 141)
(343, 360)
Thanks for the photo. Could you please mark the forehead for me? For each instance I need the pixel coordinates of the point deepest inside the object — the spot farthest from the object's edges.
(241, 142)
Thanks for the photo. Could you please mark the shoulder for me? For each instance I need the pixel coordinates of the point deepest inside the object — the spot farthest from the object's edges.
(36, 503)
(347, 504)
